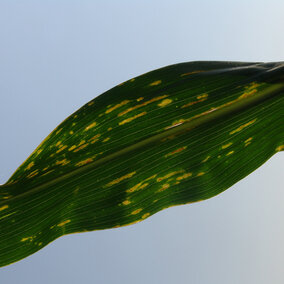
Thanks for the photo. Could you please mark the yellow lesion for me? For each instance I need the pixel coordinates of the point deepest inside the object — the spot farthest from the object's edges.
(226, 145)
(165, 102)
(71, 132)
(137, 211)
(206, 159)
(62, 162)
(7, 215)
(94, 139)
(176, 151)
(4, 207)
(280, 148)
(126, 202)
(90, 103)
(61, 149)
(117, 106)
(72, 148)
(58, 131)
(92, 125)
(155, 83)
(191, 73)
(134, 188)
(240, 128)
(109, 129)
(31, 164)
(106, 139)
(142, 105)
(248, 141)
(250, 90)
(38, 152)
(200, 174)
(31, 238)
(159, 179)
(84, 162)
(184, 176)
(47, 173)
(141, 184)
(63, 223)
(164, 187)
(230, 153)
(118, 180)
(139, 99)
(132, 118)
(176, 123)
(81, 147)
(200, 98)
(145, 215)
(32, 174)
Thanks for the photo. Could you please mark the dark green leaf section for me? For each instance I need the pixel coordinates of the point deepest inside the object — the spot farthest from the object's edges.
(177, 135)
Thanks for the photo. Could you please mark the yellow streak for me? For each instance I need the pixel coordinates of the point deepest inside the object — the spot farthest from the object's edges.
(126, 202)
(280, 148)
(168, 175)
(31, 164)
(206, 159)
(90, 126)
(134, 188)
(200, 174)
(248, 141)
(120, 179)
(200, 98)
(63, 223)
(145, 215)
(165, 102)
(62, 162)
(106, 139)
(84, 162)
(48, 172)
(61, 149)
(143, 104)
(132, 118)
(226, 145)
(164, 186)
(155, 83)
(190, 73)
(136, 211)
(32, 174)
(176, 151)
(4, 207)
(38, 151)
(72, 147)
(184, 176)
(230, 153)
(28, 239)
(117, 106)
(81, 147)
(240, 128)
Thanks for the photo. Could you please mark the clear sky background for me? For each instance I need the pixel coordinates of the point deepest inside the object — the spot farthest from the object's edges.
(57, 55)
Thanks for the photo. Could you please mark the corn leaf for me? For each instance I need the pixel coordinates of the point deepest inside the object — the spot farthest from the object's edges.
(176, 135)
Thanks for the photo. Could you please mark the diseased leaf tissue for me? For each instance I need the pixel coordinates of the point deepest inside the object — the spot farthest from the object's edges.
(176, 135)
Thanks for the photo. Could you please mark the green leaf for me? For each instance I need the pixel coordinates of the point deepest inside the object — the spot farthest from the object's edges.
(176, 135)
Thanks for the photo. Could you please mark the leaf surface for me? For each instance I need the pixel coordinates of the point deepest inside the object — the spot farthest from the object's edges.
(176, 135)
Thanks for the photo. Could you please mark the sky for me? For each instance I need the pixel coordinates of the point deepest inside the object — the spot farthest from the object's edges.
(57, 55)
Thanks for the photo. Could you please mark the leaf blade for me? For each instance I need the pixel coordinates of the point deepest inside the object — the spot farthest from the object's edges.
(179, 167)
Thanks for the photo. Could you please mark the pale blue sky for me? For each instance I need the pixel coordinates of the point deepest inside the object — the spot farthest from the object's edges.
(56, 56)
